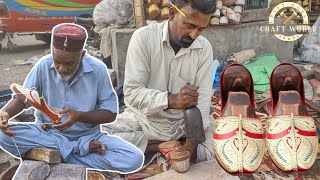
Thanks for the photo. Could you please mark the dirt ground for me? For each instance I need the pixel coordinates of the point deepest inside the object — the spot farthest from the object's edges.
(26, 47)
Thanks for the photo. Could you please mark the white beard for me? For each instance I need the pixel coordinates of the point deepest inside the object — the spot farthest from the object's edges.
(65, 78)
(69, 77)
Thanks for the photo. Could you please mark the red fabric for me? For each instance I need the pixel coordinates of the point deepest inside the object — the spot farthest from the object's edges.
(69, 37)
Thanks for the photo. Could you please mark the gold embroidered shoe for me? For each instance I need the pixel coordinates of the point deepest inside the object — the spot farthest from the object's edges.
(291, 133)
(238, 136)
(32, 97)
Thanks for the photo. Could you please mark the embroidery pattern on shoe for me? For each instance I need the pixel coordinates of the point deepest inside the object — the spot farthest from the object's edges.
(239, 143)
(292, 142)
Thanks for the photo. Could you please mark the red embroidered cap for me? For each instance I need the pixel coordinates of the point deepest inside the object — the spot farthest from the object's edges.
(69, 37)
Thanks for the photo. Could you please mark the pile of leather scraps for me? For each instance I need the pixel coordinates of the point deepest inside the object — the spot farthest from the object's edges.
(242, 57)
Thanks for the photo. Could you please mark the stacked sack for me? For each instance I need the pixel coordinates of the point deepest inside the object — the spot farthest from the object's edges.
(228, 12)
(157, 9)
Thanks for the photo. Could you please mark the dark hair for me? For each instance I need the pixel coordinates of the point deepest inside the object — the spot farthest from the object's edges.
(204, 6)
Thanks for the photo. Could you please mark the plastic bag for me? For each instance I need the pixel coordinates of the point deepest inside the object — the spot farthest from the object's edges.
(113, 12)
(310, 48)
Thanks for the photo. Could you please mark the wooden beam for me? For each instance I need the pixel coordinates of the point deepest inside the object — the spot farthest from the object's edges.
(255, 15)
(49, 156)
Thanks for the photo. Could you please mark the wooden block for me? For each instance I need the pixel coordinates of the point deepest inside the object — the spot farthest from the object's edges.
(255, 15)
(46, 155)
(139, 14)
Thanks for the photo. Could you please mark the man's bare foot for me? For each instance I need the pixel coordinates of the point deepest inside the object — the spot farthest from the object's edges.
(97, 147)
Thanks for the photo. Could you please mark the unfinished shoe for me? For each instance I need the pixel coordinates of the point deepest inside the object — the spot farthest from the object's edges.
(223, 20)
(240, 2)
(167, 148)
(219, 4)
(291, 133)
(230, 14)
(180, 161)
(217, 13)
(237, 9)
(214, 21)
(32, 97)
(238, 135)
(242, 57)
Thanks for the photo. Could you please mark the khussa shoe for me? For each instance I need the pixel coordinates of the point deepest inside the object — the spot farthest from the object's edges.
(217, 13)
(166, 148)
(291, 133)
(177, 155)
(223, 20)
(230, 14)
(32, 97)
(238, 137)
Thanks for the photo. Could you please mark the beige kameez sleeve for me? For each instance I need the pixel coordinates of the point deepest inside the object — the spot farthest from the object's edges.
(204, 81)
(137, 73)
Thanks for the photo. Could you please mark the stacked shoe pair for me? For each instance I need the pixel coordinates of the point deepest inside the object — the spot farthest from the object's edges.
(239, 137)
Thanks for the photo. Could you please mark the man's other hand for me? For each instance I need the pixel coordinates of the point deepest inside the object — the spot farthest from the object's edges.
(186, 98)
(4, 126)
(73, 117)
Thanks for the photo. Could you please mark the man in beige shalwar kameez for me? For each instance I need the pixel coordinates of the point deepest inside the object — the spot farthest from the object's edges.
(162, 58)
